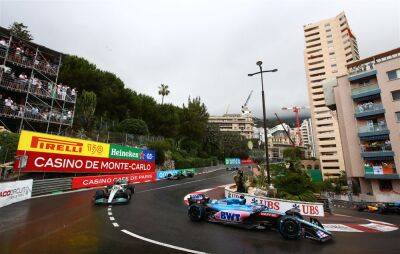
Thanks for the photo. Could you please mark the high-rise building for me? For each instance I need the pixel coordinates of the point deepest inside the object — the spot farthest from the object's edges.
(329, 47)
(368, 108)
(307, 136)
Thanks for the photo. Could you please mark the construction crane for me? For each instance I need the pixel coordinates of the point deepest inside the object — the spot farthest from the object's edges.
(245, 109)
(286, 131)
(296, 110)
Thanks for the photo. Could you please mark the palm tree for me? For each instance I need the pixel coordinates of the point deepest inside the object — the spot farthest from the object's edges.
(163, 91)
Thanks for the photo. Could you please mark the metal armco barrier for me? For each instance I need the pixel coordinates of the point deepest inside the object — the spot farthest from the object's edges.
(47, 186)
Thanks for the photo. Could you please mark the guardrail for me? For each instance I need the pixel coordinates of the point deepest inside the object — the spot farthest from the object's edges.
(46, 186)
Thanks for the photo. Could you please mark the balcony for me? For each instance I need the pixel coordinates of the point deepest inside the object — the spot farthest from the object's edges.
(384, 171)
(362, 71)
(377, 151)
(374, 132)
(369, 109)
(365, 92)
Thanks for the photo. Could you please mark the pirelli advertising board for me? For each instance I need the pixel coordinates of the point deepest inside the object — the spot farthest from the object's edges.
(51, 153)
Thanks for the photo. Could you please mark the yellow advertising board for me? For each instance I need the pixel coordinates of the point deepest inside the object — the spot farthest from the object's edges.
(46, 143)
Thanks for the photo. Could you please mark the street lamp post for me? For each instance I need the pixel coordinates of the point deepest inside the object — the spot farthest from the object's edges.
(259, 63)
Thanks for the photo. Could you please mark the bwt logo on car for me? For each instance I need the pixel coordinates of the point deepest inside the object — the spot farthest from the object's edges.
(231, 216)
(56, 144)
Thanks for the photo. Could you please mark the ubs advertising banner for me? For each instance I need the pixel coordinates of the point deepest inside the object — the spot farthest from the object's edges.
(12, 192)
(51, 153)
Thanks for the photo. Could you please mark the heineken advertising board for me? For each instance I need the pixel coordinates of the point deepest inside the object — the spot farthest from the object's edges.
(130, 153)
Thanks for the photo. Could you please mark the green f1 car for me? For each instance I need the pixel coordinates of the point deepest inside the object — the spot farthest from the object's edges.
(119, 193)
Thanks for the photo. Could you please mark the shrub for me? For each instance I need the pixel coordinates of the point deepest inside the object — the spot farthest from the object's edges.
(160, 148)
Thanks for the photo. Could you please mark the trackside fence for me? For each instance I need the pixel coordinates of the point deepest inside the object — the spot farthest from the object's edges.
(46, 186)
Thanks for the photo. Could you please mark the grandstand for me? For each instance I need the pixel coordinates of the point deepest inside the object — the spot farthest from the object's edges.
(31, 97)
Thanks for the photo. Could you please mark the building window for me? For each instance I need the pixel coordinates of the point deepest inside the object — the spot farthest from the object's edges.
(330, 42)
(328, 30)
(396, 95)
(327, 25)
(398, 116)
(394, 74)
(329, 36)
(385, 185)
(333, 65)
(331, 53)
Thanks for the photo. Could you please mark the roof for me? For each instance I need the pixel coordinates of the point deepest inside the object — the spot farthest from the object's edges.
(6, 32)
(374, 57)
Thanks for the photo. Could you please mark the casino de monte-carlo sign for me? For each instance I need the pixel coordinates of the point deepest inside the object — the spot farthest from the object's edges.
(52, 153)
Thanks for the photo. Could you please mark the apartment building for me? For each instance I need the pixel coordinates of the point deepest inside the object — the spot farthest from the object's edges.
(240, 123)
(329, 47)
(307, 136)
(368, 107)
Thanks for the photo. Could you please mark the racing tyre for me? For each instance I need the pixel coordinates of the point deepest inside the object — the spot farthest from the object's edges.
(99, 194)
(196, 212)
(289, 228)
(129, 194)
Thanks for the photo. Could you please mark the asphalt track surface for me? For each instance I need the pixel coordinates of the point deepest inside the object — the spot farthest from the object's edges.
(156, 217)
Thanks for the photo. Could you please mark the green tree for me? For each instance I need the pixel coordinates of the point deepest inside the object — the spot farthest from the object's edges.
(133, 126)
(293, 183)
(163, 91)
(8, 146)
(85, 108)
(212, 140)
(21, 31)
(166, 121)
(232, 144)
(194, 118)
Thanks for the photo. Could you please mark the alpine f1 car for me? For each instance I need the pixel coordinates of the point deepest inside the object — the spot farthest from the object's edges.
(119, 193)
(234, 211)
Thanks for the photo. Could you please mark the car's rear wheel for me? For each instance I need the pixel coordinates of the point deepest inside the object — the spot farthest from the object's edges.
(196, 212)
(289, 228)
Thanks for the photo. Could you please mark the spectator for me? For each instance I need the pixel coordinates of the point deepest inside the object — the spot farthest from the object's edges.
(8, 103)
(3, 43)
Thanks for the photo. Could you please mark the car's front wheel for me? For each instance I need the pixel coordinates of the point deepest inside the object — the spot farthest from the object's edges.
(289, 228)
(196, 212)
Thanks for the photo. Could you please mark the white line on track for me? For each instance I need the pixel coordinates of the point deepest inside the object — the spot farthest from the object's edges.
(160, 243)
(112, 218)
(179, 184)
(110, 213)
(115, 224)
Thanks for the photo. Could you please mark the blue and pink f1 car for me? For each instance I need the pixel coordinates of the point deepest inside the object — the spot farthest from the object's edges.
(234, 211)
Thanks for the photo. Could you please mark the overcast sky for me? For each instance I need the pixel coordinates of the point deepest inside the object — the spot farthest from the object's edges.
(202, 47)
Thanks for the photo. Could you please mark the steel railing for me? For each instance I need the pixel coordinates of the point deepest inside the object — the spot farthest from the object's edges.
(364, 89)
(35, 114)
(372, 128)
(23, 86)
(369, 107)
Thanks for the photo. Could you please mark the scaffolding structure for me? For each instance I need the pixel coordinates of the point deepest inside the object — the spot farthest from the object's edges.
(29, 74)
